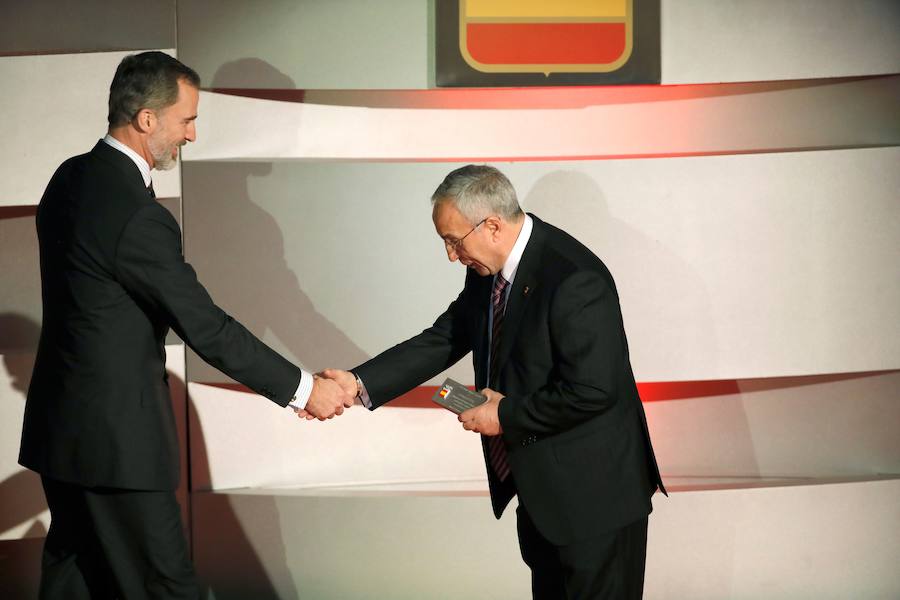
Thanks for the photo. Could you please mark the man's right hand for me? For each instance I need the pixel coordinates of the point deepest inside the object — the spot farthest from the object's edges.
(326, 400)
(345, 379)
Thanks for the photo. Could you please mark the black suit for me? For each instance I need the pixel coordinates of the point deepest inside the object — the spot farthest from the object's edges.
(573, 425)
(98, 414)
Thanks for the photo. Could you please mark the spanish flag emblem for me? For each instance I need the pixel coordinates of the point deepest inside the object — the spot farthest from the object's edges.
(545, 36)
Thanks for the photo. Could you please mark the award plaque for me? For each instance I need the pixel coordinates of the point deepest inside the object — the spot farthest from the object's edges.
(456, 397)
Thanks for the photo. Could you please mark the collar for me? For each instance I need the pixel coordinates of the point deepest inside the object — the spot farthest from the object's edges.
(515, 255)
(142, 164)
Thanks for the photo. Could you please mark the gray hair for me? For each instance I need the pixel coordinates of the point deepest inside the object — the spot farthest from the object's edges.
(146, 80)
(479, 191)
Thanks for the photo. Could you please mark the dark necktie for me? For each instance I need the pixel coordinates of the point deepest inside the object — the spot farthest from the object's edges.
(496, 449)
(150, 190)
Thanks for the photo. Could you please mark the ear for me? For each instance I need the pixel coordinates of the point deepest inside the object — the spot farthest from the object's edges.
(145, 121)
(494, 225)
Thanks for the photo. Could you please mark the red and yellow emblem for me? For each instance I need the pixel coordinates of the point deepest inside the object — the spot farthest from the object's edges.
(545, 36)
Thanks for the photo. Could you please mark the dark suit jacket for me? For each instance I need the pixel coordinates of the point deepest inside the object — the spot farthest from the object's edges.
(113, 281)
(574, 427)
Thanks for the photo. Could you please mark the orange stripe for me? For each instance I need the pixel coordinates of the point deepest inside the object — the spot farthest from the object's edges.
(545, 43)
(573, 9)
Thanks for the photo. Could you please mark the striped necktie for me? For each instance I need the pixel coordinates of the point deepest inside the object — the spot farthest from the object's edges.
(496, 449)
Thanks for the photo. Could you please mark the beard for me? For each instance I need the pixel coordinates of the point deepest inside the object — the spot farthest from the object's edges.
(164, 154)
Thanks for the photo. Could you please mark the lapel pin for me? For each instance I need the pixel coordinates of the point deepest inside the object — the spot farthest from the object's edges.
(526, 290)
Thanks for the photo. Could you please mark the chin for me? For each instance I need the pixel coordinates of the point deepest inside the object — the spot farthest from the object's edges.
(166, 165)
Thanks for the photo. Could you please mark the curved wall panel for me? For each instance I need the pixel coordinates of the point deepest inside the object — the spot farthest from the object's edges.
(764, 117)
(814, 428)
(728, 266)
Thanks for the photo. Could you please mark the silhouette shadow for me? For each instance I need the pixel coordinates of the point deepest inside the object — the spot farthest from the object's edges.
(575, 202)
(21, 494)
(227, 541)
(238, 249)
(229, 566)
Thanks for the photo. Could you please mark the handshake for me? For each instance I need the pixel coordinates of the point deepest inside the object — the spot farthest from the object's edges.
(334, 390)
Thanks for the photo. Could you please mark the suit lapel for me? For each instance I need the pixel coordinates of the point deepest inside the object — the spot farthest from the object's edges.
(523, 287)
(125, 165)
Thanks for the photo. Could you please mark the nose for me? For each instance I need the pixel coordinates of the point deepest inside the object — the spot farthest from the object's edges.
(191, 132)
(452, 256)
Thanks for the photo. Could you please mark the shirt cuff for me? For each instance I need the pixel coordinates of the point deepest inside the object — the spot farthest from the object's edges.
(363, 394)
(304, 391)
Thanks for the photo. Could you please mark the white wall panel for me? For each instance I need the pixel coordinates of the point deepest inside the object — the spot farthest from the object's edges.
(243, 440)
(825, 427)
(782, 428)
(798, 542)
(714, 120)
(762, 40)
(728, 267)
(59, 110)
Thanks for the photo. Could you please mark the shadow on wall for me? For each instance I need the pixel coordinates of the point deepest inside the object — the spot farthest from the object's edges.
(576, 203)
(21, 494)
(232, 558)
(248, 273)
(249, 276)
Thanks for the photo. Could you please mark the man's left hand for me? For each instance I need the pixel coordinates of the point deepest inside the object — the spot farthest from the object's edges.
(484, 418)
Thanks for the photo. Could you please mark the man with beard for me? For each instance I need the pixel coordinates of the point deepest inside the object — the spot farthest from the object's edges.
(99, 426)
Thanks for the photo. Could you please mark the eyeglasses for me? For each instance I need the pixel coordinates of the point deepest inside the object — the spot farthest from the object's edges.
(455, 244)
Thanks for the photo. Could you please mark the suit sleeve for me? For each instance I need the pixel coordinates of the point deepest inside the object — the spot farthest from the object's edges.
(589, 355)
(150, 266)
(401, 368)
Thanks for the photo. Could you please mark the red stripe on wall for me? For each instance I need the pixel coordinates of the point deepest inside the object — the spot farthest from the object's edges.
(545, 43)
(420, 397)
(676, 390)
(15, 212)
